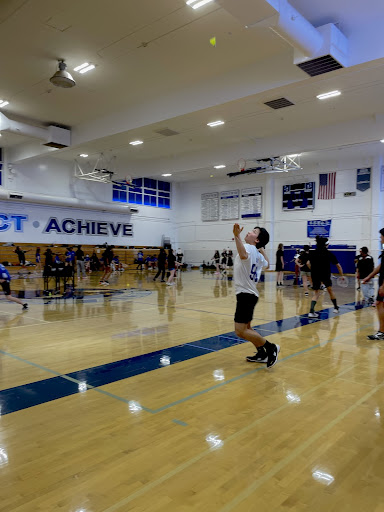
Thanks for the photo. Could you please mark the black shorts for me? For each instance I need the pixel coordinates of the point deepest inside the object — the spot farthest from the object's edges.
(6, 287)
(246, 303)
(317, 280)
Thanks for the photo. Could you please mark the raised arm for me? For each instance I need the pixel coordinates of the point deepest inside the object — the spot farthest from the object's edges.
(239, 243)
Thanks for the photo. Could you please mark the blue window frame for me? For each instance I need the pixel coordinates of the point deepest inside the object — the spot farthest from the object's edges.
(146, 191)
(119, 193)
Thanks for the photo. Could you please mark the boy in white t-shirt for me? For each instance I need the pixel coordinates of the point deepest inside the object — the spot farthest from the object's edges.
(249, 262)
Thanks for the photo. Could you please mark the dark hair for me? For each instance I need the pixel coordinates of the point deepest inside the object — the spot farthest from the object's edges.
(381, 231)
(306, 247)
(364, 250)
(263, 237)
(321, 242)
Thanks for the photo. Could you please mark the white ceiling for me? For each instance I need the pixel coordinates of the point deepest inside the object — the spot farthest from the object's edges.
(177, 80)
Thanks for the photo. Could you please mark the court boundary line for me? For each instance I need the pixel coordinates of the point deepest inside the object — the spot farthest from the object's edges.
(172, 404)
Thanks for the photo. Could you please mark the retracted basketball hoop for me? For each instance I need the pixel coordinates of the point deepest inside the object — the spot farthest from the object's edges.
(241, 164)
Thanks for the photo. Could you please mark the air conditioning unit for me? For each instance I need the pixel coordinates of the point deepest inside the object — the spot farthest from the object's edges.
(58, 137)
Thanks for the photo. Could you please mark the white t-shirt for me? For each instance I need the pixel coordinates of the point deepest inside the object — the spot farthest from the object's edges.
(247, 272)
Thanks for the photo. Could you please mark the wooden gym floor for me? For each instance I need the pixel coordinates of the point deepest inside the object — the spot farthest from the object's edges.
(138, 398)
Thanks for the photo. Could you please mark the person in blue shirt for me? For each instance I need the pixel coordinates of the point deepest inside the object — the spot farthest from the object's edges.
(5, 280)
(140, 260)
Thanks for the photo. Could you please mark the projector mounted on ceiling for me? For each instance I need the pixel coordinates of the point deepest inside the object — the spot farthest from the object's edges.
(62, 78)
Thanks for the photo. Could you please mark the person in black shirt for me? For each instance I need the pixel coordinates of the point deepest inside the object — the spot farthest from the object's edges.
(305, 271)
(21, 255)
(364, 267)
(379, 336)
(107, 260)
(171, 267)
(161, 260)
(216, 258)
(95, 263)
(320, 264)
(280, 265)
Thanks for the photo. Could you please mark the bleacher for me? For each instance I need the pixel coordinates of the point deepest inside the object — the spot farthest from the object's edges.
(126, 256)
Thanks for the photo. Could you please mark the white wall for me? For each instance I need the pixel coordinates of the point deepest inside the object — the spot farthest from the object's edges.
(355, 220)
(52, 177)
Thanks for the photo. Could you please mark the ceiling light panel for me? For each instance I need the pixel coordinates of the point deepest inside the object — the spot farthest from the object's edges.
(88, 68)
(82, 66)
(3, 103)
(327, 95)
(136, 142)
(219, 166)
(215, 123)
(195, 4)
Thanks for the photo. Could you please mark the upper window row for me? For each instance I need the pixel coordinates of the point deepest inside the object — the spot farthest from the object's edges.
(146, 191)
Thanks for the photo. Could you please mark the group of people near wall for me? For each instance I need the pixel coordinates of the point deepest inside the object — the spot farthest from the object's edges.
(171, 262)
(224, 262)
(315, 269)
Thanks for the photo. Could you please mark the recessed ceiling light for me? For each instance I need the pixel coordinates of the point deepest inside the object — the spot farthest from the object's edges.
(219, 166)
(328, 95)
(294, 156)
(167, 174)
(215, 123)
(84, 155)
(195, 4)
(88, 68)
(382, 141)
(3, 103)
(136, 142)
(82, 66)
(211, 176)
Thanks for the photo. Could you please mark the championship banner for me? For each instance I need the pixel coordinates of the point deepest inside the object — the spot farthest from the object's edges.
(363, 179)
(319, 228)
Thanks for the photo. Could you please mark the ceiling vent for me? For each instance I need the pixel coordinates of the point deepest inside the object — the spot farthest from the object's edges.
(279, 103)
(319, 66)
(166, 132)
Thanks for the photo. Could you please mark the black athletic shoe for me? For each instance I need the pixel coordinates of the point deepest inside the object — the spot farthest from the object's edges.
(379, 336)
(272, 355)
(259, 357)
(25, 306)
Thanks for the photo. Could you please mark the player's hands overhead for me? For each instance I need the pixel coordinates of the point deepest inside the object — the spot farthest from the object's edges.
(237, 229)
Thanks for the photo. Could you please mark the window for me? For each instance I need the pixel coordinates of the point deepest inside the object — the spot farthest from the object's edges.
(119, 193)
(145, 191)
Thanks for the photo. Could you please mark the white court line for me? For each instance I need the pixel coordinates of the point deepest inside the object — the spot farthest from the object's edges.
(26, 316)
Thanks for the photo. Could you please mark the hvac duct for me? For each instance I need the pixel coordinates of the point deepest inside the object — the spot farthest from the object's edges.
(69, 202)
(52, 135)
(283, 19)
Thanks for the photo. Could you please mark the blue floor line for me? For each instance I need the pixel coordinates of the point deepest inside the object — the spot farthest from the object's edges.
(35, 393)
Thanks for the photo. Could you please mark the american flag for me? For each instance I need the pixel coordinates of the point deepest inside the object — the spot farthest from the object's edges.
(327, 186)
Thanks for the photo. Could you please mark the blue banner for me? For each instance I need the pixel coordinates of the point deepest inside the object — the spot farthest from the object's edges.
(319, 228)
(363, 180)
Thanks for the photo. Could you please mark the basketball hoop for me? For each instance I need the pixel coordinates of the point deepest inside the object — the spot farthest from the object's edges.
(128, 181)
(241, 164)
